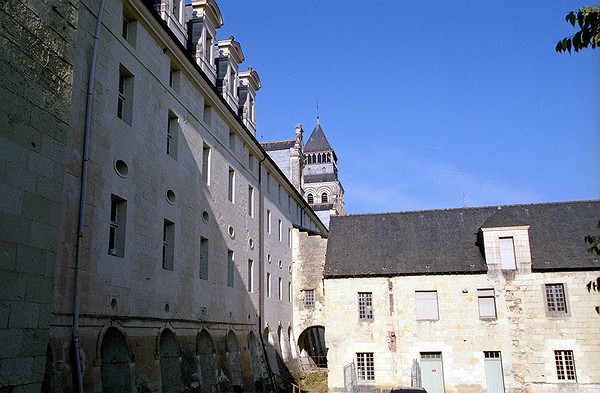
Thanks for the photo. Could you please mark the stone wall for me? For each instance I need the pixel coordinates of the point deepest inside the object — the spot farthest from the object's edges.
(522, 332)
(36, 66)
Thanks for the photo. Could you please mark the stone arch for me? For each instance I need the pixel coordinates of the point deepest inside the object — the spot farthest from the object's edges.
(102, 334)
(292, 342)
(271, 350)
(170, 365)
(235, 364)
(115, 370)
(206, 359)
(281, 341)
(312, 346)
(49, 382)
(255, 365)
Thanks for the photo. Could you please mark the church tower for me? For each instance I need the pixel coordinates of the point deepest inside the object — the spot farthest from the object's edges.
(322, 188)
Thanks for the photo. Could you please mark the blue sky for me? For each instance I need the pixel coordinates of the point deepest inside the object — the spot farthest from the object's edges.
(429, 104)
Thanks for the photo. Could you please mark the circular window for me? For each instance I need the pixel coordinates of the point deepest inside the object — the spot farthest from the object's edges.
(231, 231)
(121, 168)
(171, 196)
(205, 216)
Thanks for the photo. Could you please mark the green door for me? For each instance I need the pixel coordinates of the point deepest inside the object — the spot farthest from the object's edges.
(432, 372)
(493, 372)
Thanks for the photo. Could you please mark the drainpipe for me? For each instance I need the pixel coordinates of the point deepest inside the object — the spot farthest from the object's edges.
(261, 305)
(82, 197)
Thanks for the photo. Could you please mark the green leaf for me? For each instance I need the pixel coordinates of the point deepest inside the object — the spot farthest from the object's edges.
(570, 18)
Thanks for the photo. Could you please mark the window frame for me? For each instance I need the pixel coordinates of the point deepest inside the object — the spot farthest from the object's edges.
(125, 95)
(365, 306)
(487, 293)
(231, 185)
(425, 314)
(508, 257)
(206, 167)
(168, 245)
(203, 260)
(549, 303)
(230, 268)
(365, 367)
(118, 225)
(308, 297)
(564, 361)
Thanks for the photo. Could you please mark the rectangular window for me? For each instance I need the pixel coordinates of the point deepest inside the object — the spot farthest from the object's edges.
(427, 305)
(232, 141)
(289, 237)
(268, 221)
(251, 201)
(230, 268)
(250, 275)
(251, 162)
(280, 229)
(172, 132)
(289, 292)
(206, 163)
(565, 365)
(309, 297)
(168, 245)
(507, 253)
(556, 303)
(268, 284)
(365, 366)
(365, 305)
(487, 303)
(174, 75)
(231, 186)
(203, 258)
(128, 29)
(207, 115)
(280, 295)
(125, 95)
(268, 182)
(116, 236)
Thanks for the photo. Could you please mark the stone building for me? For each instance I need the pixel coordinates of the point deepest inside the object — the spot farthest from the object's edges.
(150, 243)
(172, 240)
(488, 299)
(312, 167)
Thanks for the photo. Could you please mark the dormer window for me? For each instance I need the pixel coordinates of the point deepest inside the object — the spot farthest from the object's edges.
(507, 253)
(506, 250)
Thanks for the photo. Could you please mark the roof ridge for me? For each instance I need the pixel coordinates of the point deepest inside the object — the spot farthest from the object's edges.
(475, 207)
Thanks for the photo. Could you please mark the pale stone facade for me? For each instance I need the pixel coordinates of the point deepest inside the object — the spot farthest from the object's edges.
(522, 333)
(464, 300)
(181, 276)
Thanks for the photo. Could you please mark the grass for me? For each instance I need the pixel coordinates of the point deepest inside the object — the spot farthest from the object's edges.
(314, 382)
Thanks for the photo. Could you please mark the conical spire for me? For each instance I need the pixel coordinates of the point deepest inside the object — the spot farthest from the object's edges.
(317, 140)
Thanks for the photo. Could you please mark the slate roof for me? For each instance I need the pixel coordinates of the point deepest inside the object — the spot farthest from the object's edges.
(278, 145)
(449, 241)
(321, 177)
(317, 141)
